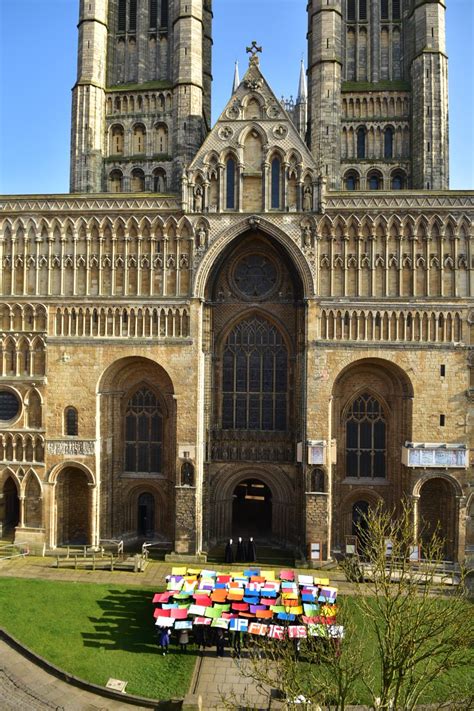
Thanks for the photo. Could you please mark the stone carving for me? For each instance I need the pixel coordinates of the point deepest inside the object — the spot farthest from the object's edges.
(225, 133)
(280, 132)
(201, 238)
(71, 447)
(198, 199)
(307, 199)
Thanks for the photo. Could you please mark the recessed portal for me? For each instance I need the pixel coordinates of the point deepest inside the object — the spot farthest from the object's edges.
(359, 513)
(252, 509)
(73, 507)
(437, 514)
(146, 515)
(11, 506)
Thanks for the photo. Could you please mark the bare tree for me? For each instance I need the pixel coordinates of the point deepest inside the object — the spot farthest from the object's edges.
(421, 635)
(405, 633)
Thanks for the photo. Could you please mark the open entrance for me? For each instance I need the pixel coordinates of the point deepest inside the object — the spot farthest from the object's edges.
(437, 510)
(359, 522)
(146, 515)
(73, 507)
(11, 507)
(252, 509)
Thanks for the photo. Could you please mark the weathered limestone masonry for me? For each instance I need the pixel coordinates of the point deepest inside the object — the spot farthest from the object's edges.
(209, 338)
(103, 295)
(141, 103)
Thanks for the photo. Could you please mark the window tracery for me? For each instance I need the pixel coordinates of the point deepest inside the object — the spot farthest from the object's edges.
(255, 377)
(143, 433)
(366, 438)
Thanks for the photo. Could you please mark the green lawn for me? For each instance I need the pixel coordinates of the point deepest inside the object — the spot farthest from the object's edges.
(95, 632)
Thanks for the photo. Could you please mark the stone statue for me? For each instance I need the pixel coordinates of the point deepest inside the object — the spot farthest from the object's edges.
(198, 199)
(201, 238)
(307, 236)
(307, 199)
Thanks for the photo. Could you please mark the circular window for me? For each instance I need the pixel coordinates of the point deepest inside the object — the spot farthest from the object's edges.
(255, 275)
(9, 406)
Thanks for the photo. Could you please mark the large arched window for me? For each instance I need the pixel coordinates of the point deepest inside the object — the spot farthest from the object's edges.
(276, 182)
(388, 142)
(351, 180)
(361, 142)
(255, 377)
(374, 180)
(116, 140)
(230, 184)
(138, 139)
(366, 438)
(115, 181)
(143, 433)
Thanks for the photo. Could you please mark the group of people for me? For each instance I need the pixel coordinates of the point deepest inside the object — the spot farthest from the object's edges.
(203, 637)
(246, 551)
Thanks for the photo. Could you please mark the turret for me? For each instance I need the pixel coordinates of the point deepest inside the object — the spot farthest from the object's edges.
(324, 78)
(88, 104)
(429, 84)
(188, 79)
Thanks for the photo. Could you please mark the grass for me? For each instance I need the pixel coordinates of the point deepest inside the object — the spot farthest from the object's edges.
(95, 632)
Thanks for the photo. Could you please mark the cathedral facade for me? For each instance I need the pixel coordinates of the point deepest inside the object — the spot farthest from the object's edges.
(261, 327)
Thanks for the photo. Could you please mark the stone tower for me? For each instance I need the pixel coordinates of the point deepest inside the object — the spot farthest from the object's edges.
(378, 106)
(142, 100)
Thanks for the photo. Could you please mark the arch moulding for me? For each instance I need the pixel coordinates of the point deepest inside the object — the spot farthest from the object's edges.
(56, 471)
(223, 240)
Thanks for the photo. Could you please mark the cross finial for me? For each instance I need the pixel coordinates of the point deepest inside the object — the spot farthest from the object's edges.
(253, 50)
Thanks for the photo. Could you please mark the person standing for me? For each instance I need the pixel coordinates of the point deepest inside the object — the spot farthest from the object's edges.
(164, 640)
(183, 639)
(229, 553)
(220, 642)
(240, 557)
(251, 551)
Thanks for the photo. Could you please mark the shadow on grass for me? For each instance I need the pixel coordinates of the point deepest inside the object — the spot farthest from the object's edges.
(126, 623)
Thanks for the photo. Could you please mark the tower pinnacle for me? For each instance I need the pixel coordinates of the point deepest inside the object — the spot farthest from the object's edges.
(302, 90)
(236, 78)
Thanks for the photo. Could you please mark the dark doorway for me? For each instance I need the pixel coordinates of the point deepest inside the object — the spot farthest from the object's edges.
(359, 523)
(437, 515)
(252, 509)
(146, 515)
(11, 513)
(73, 507)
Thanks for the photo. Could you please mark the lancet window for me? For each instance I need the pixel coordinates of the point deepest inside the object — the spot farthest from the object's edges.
(366, 438)
(143, 433)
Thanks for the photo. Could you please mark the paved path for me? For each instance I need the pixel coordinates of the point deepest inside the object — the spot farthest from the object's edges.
(154, 575)
(24, 686)
(220, 685)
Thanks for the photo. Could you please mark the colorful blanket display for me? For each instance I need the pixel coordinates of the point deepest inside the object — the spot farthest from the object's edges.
(252, 601)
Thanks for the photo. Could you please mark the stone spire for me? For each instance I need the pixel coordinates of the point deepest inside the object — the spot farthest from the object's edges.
(302, 90)
(236, 78)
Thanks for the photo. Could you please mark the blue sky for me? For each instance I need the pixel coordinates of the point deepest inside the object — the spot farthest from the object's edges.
(38, 42)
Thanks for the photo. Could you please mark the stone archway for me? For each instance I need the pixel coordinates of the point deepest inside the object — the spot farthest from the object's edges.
(10, 507)
(437, 514)
(73, 507)
(372, 418)
(252, 509)
(138, 421)
(274, 499)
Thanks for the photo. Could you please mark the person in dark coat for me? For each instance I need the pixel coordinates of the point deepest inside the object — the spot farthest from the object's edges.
(251, 551)
(229, 553)
(240, 557)
(220, 642)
